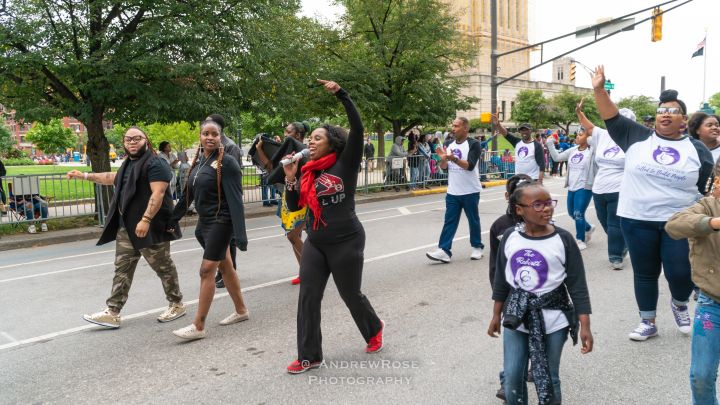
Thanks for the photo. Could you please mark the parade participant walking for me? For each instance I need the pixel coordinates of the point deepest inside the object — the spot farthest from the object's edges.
(538, 264)
(529, 153)
(706, 129)
(231, 149)
(137, 218)
(665, 172)
(497, 230)
(579, 182)
(609, 161)
(214, 185)
(336, 238)
(460, 157)
(701, 223)
(292, 222)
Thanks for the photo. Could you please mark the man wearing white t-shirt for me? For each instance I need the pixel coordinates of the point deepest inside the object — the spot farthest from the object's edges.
(529, 154)
(459, 156)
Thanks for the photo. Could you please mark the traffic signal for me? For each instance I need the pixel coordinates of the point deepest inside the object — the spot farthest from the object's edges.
(656, 25)
(572, 72)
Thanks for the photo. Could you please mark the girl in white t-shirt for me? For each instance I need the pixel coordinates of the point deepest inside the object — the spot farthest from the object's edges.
(706, 129)
(539, 269)
(578, 181)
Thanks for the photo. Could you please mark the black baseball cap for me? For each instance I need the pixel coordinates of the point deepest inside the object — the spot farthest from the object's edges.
(525, 126)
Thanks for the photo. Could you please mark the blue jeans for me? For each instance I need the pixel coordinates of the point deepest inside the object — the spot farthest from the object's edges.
(705, 351)
(454, 204)
(652, 250)
(577, 204)
(516, 351)
(606, 210)
(268, 193)
(414, 176)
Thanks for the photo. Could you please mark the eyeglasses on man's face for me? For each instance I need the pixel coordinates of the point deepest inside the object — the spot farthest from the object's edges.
(133, 139)
(540, 205)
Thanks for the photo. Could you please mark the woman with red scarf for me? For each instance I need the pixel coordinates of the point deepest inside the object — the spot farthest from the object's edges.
(336, 239)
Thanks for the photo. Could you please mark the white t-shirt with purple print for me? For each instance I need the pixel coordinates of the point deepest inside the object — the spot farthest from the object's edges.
(610, 160)
(662, 175)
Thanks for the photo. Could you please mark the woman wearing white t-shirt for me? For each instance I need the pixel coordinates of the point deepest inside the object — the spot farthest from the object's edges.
(706, 129)
(665, 172)
(578, 182)
(609, 161)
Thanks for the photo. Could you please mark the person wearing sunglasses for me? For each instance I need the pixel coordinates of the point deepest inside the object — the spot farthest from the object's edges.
(665, 172)
(138, 215)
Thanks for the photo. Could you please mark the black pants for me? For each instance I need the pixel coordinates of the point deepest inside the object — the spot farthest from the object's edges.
(344, 261)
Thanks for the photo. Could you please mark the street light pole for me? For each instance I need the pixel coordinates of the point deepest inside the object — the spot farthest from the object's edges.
(493, 65)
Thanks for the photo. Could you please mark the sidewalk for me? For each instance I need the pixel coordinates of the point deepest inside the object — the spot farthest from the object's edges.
(253, 210)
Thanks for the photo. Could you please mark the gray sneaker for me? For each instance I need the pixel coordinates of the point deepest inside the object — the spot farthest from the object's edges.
(105, 318)
(173, 312)
(682, 317)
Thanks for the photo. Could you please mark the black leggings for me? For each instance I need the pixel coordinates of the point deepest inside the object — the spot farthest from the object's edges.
(344, 261)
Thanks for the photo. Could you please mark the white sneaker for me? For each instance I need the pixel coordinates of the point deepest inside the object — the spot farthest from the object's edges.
(32, 229)
(617, 265)
(43, 228)
(438, 255)
(477, 253)
(588, 234)
(581, 245)
(190, 332)
(235, 318)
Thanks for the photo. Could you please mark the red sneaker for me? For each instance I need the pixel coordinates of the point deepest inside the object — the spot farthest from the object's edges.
(297, 366)
(376, 342)
(295, 281)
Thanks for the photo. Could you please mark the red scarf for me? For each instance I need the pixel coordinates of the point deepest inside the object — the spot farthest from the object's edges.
(308, 194)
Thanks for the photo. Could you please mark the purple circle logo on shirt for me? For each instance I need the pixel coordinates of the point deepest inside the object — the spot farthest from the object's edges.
(529, 268)
(666, 155)
(611, 152)
(577, 158)
(522, 152)
(457, 153)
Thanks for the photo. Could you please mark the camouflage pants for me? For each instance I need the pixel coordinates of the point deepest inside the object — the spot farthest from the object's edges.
(126, 260)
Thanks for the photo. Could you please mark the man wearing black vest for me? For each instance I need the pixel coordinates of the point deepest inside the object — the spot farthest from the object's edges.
(137, 221)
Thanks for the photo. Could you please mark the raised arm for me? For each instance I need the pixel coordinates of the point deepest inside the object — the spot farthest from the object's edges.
(504, 132)
(582, 118)
(352, 154)
(605, 106)
(554, 154)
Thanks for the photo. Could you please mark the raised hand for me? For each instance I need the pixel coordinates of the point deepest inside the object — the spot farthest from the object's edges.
(330, 86)
(598, 78)
(579, 106)
(75, 174)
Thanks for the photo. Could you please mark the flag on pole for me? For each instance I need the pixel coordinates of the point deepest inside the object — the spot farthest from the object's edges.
(700, 49)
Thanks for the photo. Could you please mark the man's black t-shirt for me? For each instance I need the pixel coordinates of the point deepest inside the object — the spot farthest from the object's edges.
(157, 170)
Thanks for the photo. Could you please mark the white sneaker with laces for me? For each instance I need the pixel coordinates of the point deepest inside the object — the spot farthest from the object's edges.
(32, 229)
(581, 245)
(43, 228)
(477, 253)
(438, 255)
(190, 332)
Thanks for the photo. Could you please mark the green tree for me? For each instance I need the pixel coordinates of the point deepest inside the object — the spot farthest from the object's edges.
(532, 107)
(181, 135)
(52, 137)
(398, 58)
(135, 60)
(561, 109)
(7, 142)
(640, 105)
(714, 101)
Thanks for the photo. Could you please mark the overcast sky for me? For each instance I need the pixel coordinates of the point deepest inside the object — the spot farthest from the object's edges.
(632, 61)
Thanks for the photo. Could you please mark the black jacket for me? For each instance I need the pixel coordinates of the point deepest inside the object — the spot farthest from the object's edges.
(131, 202)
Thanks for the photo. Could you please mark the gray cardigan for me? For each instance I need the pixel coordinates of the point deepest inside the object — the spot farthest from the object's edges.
(565, 155)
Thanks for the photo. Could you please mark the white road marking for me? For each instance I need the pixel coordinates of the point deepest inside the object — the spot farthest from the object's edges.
(404, 211)
(53, 335)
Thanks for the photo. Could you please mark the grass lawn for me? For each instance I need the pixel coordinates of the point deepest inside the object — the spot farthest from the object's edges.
(501, 141)
(57, 186)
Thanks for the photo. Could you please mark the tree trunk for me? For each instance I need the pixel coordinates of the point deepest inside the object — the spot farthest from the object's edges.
(397, 128)
(98, 146)
(380, 144)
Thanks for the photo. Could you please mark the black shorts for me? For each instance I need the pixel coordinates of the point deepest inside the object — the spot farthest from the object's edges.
(214, 237)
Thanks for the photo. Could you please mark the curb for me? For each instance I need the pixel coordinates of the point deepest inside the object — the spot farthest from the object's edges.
(443, 189)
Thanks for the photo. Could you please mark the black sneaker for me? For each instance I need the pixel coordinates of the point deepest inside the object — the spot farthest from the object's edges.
(500, 394)
(219, 283)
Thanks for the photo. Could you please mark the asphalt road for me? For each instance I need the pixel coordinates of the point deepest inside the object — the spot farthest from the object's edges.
(437, 350)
